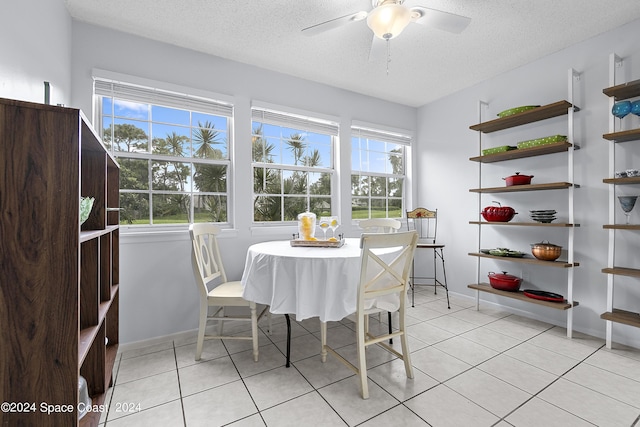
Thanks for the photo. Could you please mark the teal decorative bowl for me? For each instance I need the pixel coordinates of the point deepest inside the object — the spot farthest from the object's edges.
(86, 203)
(621, 109)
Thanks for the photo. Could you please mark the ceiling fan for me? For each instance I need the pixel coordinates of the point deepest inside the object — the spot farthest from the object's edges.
(389, 18)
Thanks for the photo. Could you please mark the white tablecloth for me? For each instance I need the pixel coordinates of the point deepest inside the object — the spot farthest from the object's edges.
(305, 281)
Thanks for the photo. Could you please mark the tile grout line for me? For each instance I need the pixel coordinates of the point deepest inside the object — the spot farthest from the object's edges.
(553, 382)
(175, 360)
(443, 383)
(259, 412)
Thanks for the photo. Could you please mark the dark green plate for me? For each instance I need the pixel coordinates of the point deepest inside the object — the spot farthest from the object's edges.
(504, 252)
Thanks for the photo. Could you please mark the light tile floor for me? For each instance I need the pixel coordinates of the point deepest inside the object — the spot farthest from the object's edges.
(472, 368)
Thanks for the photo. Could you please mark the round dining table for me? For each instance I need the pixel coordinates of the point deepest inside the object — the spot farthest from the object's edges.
(303, 281)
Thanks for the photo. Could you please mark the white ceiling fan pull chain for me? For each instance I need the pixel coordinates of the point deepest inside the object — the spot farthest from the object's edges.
(388, 54)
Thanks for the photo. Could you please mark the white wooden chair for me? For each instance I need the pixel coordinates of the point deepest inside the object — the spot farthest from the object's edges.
(209, 271)
(381, 225)
(382, 286)
(425, 222)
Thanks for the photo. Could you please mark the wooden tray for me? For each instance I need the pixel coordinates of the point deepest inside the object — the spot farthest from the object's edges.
(318, 243)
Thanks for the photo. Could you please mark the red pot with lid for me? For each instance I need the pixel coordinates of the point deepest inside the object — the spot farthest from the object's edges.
(518, 179)
(498, 213)
(504, 282)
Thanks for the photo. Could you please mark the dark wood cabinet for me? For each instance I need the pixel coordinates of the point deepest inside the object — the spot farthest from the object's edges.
(59, 281)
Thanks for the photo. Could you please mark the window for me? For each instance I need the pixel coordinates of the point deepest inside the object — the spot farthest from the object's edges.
(293, 165)
(378, 173)
(173, 150)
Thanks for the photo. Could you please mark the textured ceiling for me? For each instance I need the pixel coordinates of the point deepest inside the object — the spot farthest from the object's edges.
(426, 63)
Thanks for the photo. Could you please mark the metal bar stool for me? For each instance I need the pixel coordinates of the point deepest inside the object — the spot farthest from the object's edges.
(425, 222)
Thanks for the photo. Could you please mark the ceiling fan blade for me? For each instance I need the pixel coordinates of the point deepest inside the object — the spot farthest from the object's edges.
(333, 23)
(438, 19)
(378, 49)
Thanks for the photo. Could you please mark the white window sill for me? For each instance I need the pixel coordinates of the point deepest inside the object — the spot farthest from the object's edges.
(130, 234)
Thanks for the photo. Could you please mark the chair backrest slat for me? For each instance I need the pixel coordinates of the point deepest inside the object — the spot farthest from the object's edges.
(425, 222)
(205, 255)
(385, 264)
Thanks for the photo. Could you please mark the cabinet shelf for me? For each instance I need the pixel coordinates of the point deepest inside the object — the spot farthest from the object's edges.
(520, 296)
(622, 316)
(622, 181)
(527, 260)
(521, 153)
(527, 224)
(529, 187)
(622, 271)
(85, 236)
(623, 136)
(88, 334)
(544, 112)
(85, 340)
(623, 91)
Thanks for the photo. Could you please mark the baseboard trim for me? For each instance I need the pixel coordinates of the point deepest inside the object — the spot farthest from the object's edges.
(156, 340)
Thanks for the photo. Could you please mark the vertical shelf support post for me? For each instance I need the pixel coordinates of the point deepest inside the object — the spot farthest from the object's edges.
(481, 105)
(573, 78)
(614, 62)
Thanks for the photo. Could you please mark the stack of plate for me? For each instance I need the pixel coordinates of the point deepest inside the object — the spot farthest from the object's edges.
(545, 216)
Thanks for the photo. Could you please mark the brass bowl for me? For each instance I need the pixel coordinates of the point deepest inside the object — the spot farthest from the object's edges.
(546, 251)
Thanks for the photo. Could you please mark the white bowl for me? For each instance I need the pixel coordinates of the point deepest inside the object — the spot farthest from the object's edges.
(84, 397)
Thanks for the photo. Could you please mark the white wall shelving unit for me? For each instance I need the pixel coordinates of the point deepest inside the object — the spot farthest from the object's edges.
(556, 109)
(616, 136)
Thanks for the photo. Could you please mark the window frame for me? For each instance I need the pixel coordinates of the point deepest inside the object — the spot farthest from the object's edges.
(160, 94)
(304, 121)
(362, 131)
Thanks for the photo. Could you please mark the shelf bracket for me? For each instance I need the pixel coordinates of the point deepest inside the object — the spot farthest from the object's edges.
(576, 75)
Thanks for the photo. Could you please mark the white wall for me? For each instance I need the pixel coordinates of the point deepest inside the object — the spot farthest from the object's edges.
(36, 47)
(445, 176)
(158, 293)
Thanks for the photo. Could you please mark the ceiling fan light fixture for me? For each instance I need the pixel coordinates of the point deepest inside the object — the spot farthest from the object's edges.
(388, 20)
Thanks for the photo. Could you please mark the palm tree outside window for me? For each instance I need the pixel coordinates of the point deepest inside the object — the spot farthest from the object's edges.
(378, 173)
(293, 165)
(173, 150)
